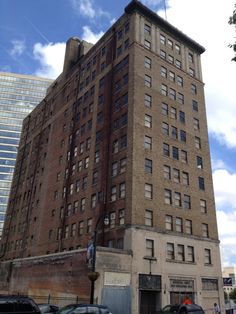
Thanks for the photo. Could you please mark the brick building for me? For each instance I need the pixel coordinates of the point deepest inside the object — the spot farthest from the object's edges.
(123, 132)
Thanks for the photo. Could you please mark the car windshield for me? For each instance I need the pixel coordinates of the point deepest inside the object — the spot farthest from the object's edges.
(66, 309)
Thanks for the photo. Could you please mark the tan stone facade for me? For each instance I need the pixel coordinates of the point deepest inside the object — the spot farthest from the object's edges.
(123, 132)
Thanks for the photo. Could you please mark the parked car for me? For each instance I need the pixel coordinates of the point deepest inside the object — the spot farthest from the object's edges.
(10, 304)
(84, 309)
(182, 309)
(46, 308)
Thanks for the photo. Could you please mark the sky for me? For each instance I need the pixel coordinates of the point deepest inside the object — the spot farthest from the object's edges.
(32, 41)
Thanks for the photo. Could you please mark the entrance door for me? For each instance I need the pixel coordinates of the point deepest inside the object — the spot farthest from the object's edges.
(148, 302)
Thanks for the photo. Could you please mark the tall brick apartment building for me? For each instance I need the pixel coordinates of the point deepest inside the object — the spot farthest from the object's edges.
(123, 132)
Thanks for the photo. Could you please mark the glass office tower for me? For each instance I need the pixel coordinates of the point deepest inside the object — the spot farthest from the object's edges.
(19, 94)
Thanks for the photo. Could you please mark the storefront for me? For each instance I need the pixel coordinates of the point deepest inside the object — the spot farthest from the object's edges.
(181, 289)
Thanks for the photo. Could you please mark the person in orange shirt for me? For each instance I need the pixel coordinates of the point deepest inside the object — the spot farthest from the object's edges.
(187, 301)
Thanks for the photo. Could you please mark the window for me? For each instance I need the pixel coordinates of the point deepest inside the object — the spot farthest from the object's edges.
(197, 142)
(177, 198)
(147, 81)
(119, 34)
(164, 89)
(199, 162)
(188, 226)
(126, 44)
(177, 49)
(167, 197)
(164, 109)
(76, 206)
(114, 168)
(203, 206)
(148, 165)
(119, 50)
(148, 121)
(84, 183)
(180, 252)
(191, 72)
(170, 43)
(165, 128)
(174, 133)
(113, 193)
(182, 117)
(86, 162)
(147, 29)
(148, 142)
(112, 220)
(196, 124)
(178, 64)
(96, 156)
(93, 200)
(89, 225)
(180, 98)
(148, 100)
(167, 172)
(201, 183)
(186, 202)
(126, 28)
(66, 232)
(195, 105)
(82, 204)
(184, 156)
(122, 190)
(81, 227)
(123, 141)
(115, 146)
(176, 175)
(73, 230)
(193, 89)
(162, 39)
(171, 59)
(207, 256)
(182, 136)
(180, 81)
(179, 224)
(163, 54)
(172, 76)
(185, 177)
(123, 163)
(190, 254)
(147, 44)
(163, 71)
(205, 231)
(147, 63)
(69, 209)
(148, 191)
(71, 188)
(149, 247)
(190, 57)
(169, 222)
(121, 217)
(172, 94)
(148, 217)
(166, 149)
(173, 113)
(170, 252)
(175, 153)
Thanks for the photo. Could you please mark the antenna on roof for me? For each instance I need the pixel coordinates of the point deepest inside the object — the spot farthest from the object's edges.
(165, 9)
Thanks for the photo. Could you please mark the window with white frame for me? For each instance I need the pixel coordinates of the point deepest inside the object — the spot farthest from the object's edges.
(169, 222)
(180, 252)
(148, 121)
(170, 251)
(168, 196)
(148, 191)
(188, 226)
(149, 247)
(149, 217)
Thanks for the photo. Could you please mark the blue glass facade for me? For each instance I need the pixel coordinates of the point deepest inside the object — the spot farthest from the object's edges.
(19, 94)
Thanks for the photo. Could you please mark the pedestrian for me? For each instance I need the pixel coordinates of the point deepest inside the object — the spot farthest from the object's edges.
(187, 301)
(216, 308)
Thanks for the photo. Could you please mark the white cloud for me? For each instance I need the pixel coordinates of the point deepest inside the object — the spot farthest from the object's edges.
(51, 58)
(89, 36)
(224, 187)
(207, 23)
(18, 48)
(88, 9)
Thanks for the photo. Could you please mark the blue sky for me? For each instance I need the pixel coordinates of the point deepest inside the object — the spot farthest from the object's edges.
(32, 41)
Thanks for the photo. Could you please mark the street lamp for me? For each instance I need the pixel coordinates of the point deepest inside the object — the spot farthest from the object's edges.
(92, 250)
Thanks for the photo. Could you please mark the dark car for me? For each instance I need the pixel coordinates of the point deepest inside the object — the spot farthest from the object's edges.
(84, 309)
(10, 304)
(182, 309)
(46, 308)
